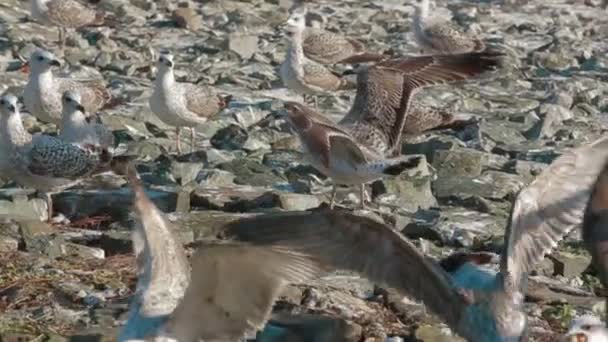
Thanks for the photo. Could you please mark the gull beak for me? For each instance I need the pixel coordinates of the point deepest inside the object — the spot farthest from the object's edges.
(25, 68)
(12, 108)
(578, 337)
(169, 64)
(80, 108)
(55, 62)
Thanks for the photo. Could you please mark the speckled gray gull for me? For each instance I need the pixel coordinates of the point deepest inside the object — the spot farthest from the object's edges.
(303, 75)
(595, 228)
(76, 128)
(43, 91)
(587, 328)
(435, 35)
(354, 151)
(182, 104)
(45, 163)
(327, 47)
(477, 303)
(230, 290)
(65, 14)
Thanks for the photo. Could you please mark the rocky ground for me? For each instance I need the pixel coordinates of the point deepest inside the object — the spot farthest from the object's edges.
(75, 278)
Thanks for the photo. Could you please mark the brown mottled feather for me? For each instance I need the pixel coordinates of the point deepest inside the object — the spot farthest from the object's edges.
(72, 14)
(94, 93)
(330, 48)
(341, 240)
(202, 100)
(318, 76)
(384, 91)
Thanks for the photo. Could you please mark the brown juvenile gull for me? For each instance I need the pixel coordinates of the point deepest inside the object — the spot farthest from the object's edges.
(328, 47)
(304, 75)
(587, 328)
(45, 163)
(439, 36)
(43, 91)
(65, 14)
(231, 288)
(477, 303)
(182, 104)
(354, 151)
(595, 228)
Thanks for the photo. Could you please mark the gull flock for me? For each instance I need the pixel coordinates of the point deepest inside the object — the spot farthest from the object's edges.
(228, 287)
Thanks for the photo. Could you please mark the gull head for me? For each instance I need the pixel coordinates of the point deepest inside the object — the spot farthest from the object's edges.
(42, 60)
(586, 328)
(296, 21)
(72, 101)
(8, 105)
(165, 60)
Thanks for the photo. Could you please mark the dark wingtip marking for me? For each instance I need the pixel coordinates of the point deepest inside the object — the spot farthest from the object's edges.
(397, 169)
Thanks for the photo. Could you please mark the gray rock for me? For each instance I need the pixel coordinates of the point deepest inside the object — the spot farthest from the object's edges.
(249, 172)
(570, 265)
(298, 201)
(491, 184)
(244, 45)
(411, 190)
(81, 251)
(187, 18)
(231, 137)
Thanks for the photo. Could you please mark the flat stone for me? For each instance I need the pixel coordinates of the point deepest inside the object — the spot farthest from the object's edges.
(187, 18)
(570, 265)
(244, 45)
(298, 201)
(81, 251)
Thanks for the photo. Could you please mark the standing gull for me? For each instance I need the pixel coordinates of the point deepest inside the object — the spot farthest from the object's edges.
(355, 150)
(182, 104)
(477, 303)
(304, 75)
(326, 47)
(439, 36)
(45, 163)
(43, 91)
(65, 14)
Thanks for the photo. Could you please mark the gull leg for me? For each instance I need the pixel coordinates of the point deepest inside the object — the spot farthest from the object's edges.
(192, 137)
(62, 34)
(362, 196)
(49, 205)
(333, 196)
(179, 146)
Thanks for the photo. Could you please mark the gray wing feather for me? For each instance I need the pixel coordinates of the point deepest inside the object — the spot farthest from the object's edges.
(233, 288)
(341, 240)
(550, 207)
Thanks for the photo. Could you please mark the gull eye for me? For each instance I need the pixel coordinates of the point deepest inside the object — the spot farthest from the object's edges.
(586, 327)
(40, 58)
(67, 99)
(2, 102)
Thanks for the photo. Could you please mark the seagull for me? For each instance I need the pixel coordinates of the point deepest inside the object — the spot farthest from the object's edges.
(477, 303)
(45, 163)
(327, 48)
(43, 91)
(355, 150)
(441, 37)
(65, 14)
(183, 104)
(304, 75)
(75, 127)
